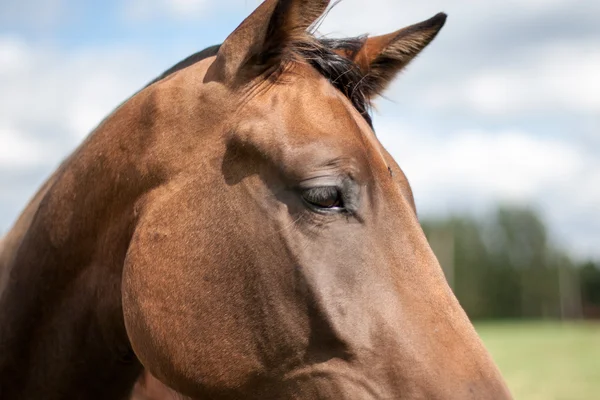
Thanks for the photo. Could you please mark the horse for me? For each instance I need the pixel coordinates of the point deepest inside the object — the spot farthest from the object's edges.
(235, 230)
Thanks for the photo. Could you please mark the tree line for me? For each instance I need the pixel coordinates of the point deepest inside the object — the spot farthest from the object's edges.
(504, 265)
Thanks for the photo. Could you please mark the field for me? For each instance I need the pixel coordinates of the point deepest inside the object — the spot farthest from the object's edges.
(546, 361)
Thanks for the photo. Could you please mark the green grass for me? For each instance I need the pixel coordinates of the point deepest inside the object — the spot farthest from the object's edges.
(546, 360)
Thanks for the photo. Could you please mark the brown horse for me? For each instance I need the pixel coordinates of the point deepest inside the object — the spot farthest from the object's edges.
(236, 230)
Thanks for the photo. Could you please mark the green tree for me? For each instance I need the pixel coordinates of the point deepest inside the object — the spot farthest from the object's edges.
(503, 265)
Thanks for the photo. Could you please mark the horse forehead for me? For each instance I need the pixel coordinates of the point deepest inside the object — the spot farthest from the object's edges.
(319, 95)
(321, 106)
(310, 107)
(305, 111)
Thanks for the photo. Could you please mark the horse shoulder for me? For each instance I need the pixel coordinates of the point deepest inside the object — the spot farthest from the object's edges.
(10, 243)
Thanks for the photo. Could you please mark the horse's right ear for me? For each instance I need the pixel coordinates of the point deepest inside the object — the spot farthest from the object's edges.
(262, 39)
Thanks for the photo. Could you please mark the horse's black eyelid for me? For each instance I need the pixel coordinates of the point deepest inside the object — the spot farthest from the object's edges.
(316, 196)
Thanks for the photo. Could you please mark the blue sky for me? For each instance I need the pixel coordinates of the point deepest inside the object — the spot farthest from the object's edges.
(503, 107)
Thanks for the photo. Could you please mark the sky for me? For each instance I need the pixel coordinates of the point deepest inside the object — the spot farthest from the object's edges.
(502, 108)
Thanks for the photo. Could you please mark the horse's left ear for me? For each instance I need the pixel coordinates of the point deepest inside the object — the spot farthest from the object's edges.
(262, 39)
(382, 57)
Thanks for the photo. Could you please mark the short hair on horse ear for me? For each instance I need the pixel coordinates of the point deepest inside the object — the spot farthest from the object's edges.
(381, 58)
(263, 39)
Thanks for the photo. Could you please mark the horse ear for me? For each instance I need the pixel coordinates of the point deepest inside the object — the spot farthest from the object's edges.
(382, 57)
(261, 39)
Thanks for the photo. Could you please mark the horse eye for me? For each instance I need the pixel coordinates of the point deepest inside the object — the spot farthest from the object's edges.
(327, 197)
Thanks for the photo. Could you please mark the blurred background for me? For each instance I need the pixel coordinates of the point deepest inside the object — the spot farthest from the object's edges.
(496, 124)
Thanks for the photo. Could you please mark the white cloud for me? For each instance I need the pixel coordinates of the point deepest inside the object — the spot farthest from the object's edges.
(351, 17)
(50, 100)
(468, 170)
(377, 16)
(537, 5)
(18, 151)
(13, 55)
(504, 165)
(560, 78)
(492, 58)
(68, 93)
(183, 7)
(179, 9)
(34, 13)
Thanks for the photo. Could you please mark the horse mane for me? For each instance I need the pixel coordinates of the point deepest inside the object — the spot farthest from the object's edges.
(340, 71)
(193, 59)
(323, 54)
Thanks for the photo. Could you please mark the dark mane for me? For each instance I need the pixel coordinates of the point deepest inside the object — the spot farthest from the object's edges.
(193, 59)
(343, 73)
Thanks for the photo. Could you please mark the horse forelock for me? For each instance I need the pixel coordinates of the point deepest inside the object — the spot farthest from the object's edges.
(344, 74)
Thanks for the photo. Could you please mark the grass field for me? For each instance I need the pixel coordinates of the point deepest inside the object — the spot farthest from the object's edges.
(546, 361)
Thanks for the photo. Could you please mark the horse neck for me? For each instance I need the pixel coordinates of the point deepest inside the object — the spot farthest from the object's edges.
(10, 243)
(61, 321)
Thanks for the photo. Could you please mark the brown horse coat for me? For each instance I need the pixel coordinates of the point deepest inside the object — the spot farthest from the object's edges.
(237, 230)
